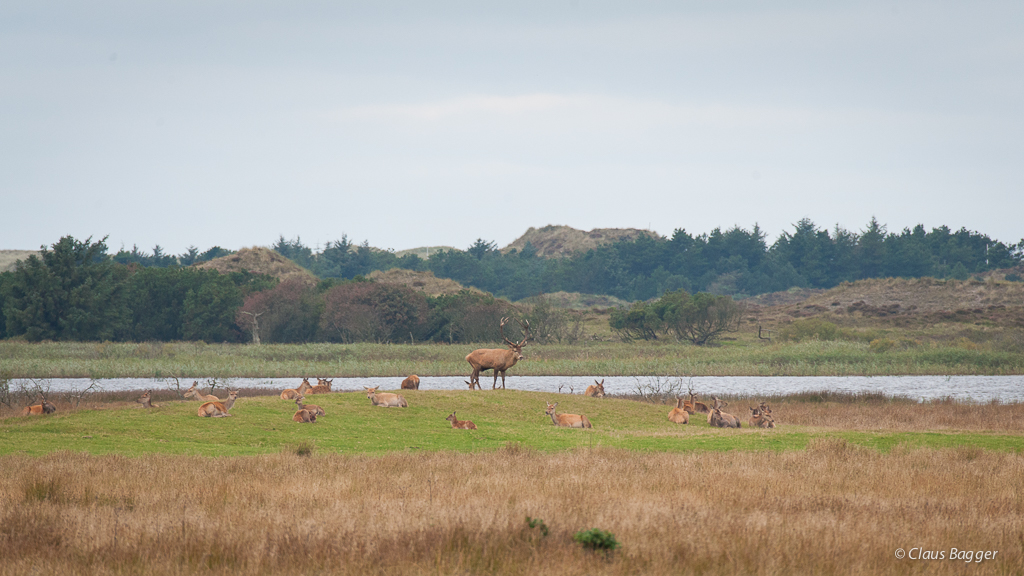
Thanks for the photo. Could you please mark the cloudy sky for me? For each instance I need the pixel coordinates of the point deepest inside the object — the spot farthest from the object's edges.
(200, 123)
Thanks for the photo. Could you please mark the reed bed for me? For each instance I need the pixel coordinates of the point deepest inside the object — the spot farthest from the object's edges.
(832, 509)
(199, 360)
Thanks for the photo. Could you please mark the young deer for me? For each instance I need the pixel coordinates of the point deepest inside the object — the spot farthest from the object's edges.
(460, 424)
(290, 393)
(678, 414)
(194, 392)
(595, 390)
(218, 409)
(46, 407)
(411, 383)
(323, 386)
(145, 400)
(304, 416)
(311, 407)
(567, 420)
(385, 399)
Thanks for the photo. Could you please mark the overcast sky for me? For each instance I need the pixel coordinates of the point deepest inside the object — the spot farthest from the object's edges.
(201, 123)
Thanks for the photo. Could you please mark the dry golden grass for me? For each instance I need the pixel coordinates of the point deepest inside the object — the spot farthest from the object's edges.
(833, 509)
(557, 241)
(425, 282)
(259, 260)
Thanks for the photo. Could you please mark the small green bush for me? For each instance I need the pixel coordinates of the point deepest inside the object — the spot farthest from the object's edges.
(597, 540)
(537, 523)
(809, 329)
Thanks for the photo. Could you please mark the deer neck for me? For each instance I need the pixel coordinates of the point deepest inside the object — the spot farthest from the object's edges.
(229, 402)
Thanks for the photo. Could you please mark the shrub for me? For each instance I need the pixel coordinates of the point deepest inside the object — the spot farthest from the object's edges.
(809, 329)
(597, 540)
(881, 345)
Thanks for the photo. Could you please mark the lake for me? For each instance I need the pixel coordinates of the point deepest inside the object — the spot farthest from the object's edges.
(1006, 389)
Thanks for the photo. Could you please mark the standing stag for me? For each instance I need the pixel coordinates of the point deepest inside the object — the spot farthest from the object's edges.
(498, 359)
(595, 390)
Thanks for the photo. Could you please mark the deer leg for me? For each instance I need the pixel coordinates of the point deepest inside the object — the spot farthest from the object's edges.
(495, 383)
(502, 379)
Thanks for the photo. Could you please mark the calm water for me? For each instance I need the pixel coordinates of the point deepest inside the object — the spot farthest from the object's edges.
(1005, 389)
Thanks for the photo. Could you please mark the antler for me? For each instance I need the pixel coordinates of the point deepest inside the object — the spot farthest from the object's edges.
(526, 332)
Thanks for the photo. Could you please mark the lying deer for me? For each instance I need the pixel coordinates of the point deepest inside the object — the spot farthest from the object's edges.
(145, 400)
(722, 419)
(759, 419)
(218, 409)
(693, 406)
(567, 420)
(194, 392)
(385, 399)
(323, 386)
(310, 407)
(678, 414)
(595, 390)
(304, 416)
(46, 407)
(291, 394)
(411, 383)
(460, 424)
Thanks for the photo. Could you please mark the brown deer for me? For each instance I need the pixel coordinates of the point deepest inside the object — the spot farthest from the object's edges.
(304, 416)
(291, 394)
(595, 390)
(498, 359)
(460, 424)
(760, 419)
(411, 383)
(692, 406)
(218, 409)
(567, 420)
(146, 400)
(385, 399)
(678, 414)
(722, 419)
(310, 407)
(323, 386)
(45, 407)
(194, 392)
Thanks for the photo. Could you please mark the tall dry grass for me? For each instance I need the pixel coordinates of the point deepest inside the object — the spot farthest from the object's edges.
(833, 509)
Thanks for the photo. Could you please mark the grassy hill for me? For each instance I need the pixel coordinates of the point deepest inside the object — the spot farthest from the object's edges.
(259, 260)
(556, 241)
(9, 257)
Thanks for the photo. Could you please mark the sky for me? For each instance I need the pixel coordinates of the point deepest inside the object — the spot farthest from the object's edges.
(405, 124)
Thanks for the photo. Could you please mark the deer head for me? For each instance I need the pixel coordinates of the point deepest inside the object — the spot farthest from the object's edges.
(516, 347)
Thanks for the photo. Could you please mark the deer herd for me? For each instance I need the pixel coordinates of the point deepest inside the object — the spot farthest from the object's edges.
(499, 360)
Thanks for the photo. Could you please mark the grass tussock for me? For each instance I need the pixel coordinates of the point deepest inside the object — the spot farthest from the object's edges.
(832, 509)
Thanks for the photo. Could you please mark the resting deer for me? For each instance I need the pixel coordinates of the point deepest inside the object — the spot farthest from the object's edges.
(678, 414)
(310, 407)
(304, 416)
(411, 383)
(146, 400)
(567, 420)
(218, 409)
(460, 424)
(692, 406)
(498, 359)
(45, 407)
(385, 399)
(722, 419)
(323, 386)
(291, 394)
(194, 392)
(595, 390)
(759, 419)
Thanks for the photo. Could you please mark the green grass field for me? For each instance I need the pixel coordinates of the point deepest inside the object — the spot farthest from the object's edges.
(262, 425)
